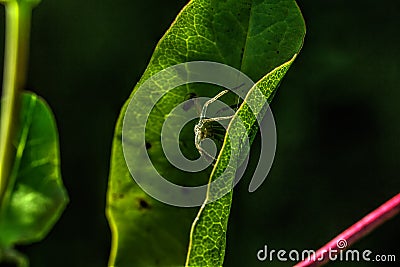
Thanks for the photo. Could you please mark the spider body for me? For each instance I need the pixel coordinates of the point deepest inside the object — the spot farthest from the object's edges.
(202, 129)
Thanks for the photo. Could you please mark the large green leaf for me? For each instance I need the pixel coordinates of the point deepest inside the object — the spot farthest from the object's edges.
(253, 36)
(35, 196)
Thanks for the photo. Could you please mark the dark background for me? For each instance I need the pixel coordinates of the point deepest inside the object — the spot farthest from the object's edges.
(337, 117)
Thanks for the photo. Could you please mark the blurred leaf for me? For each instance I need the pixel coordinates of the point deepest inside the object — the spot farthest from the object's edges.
(35, 196)
(252, 36)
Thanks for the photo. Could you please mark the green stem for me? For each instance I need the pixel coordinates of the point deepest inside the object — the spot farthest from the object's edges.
(18, 17)
(14, 257)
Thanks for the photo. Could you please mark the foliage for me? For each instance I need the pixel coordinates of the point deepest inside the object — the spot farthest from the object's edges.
(252, 36)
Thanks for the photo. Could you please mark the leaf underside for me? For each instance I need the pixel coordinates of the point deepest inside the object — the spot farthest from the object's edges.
(255, 37)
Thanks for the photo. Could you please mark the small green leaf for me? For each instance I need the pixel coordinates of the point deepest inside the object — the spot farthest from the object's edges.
(35, 196)
(207, 238)
(254, 36)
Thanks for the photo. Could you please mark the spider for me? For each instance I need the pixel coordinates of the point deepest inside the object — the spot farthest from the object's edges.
(201, 131)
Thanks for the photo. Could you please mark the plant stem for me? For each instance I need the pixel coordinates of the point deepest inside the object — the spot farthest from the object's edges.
(354, 233)
(13, 256)
(18, 16)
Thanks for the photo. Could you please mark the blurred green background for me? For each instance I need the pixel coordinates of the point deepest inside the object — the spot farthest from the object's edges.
(337, 117)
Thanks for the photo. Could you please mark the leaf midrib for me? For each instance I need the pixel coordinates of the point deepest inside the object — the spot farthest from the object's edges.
(247, 37)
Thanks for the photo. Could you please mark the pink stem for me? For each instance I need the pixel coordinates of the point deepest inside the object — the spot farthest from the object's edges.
(355, 232)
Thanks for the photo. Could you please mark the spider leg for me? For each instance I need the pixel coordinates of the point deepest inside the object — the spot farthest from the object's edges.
(203, 111)
(201, 122)
(218, 118)
(204, 153)
(218, 130)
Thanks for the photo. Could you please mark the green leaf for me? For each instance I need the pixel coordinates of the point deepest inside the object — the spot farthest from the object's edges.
(35, 196)
(207, 237)
(253, 36)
